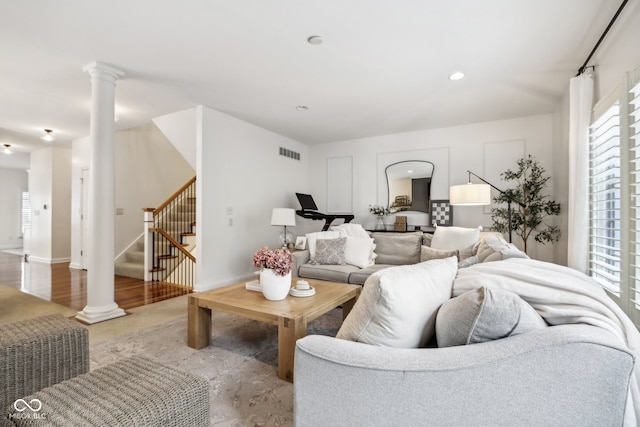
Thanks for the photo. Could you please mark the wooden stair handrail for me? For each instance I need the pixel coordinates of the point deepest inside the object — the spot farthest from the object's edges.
(173, 196)
(173, 242)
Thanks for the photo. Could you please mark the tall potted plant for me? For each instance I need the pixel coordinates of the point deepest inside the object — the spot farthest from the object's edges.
(529, 218)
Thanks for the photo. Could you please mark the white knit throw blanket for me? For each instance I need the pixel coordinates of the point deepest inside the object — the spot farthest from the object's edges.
(562, 296)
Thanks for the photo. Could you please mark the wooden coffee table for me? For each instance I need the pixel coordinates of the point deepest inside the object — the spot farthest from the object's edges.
(291, 314)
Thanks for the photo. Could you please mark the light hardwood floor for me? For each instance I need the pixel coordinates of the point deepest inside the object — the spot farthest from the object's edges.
(68, 287)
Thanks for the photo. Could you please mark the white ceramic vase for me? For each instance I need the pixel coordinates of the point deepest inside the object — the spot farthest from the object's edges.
(274, 287)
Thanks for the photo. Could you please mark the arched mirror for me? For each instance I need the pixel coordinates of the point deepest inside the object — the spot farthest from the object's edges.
(409, 185)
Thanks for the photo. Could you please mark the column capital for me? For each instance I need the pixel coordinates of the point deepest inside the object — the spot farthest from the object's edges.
(100, 67)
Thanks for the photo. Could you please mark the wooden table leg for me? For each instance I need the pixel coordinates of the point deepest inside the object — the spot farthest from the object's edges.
(198, 325)
(289, 331)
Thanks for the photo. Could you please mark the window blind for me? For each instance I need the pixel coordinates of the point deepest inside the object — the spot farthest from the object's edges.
(605, 200)
(634, 182)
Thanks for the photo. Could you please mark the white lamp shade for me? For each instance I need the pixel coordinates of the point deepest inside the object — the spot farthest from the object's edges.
(283, 216)
(470, 194)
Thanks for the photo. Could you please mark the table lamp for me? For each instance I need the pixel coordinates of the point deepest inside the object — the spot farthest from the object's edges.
(284, 217)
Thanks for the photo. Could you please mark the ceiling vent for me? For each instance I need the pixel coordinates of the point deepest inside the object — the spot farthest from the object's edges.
(289, 153)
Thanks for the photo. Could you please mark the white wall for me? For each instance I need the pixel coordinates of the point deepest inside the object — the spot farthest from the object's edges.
(12, 183)
(148, 169)
(50, 193)
(16, 161)
(453, 150)
(61, 205)
(618, 54)
(180, 129)
(241, 178)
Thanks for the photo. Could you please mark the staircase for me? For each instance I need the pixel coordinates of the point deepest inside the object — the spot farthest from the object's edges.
(170, 236)
(132, 263)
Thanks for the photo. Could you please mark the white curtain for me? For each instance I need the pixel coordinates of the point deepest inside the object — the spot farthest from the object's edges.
(580, 106)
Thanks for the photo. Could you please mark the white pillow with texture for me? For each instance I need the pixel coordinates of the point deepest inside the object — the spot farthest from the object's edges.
(312, 237)
(398, 305)
(358, 251)
(455, 238)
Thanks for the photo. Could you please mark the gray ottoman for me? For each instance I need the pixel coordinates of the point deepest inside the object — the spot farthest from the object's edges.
(132, 392)
(39, 352)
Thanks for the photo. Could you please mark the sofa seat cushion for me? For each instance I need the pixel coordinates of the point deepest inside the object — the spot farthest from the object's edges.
(360, 276)
(484, 314)
(398, 305)
(332, 273)
(397, 248)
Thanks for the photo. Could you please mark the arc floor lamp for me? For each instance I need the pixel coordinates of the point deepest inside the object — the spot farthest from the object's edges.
(470, 194)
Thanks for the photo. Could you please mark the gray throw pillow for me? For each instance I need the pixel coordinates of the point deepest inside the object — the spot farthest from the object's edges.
(484, 314)
(330, 251)
(427, 254)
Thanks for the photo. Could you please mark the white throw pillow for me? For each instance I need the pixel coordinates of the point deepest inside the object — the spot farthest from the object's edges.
(398, 305)
(359, 251)
(455, 238)
(351, 230)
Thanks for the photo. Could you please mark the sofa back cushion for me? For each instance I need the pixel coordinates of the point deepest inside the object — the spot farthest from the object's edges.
(398, 305)
(456, 238)
(484, 314)
(397, 248)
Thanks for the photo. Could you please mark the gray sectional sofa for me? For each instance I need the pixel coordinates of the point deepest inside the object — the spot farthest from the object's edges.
(574, 368)
(392, 249)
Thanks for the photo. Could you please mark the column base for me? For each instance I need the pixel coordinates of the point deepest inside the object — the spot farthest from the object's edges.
(93, 315)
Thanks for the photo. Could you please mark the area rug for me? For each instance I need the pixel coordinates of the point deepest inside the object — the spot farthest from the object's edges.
(240, 364)
(16, 305)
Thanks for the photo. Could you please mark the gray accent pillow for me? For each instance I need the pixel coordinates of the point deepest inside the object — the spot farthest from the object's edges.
(397, 248)
(495, 248)
(484, 314)
(427, 254)
(330, 251)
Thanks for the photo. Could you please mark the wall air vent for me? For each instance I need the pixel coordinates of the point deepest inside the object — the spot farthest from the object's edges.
(289, 153)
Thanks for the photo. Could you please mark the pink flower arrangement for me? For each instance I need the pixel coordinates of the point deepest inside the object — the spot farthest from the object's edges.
(279, 260)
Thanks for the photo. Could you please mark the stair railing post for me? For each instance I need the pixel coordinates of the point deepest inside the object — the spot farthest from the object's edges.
(148, 244)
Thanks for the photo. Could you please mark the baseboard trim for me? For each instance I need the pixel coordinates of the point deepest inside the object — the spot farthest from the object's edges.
(49, 260)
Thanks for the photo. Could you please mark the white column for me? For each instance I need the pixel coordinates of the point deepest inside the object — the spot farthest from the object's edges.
(100, 272)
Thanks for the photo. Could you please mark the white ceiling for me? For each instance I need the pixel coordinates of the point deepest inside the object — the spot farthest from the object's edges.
(382, 69)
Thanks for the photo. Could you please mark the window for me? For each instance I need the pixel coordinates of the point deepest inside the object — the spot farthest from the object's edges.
(614, 195)
(634, 185)
(605, 197)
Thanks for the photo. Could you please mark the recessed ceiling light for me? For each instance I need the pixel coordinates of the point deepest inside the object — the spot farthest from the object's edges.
(456, 76)
(7, 149)
(302, 108)
(315, 40)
